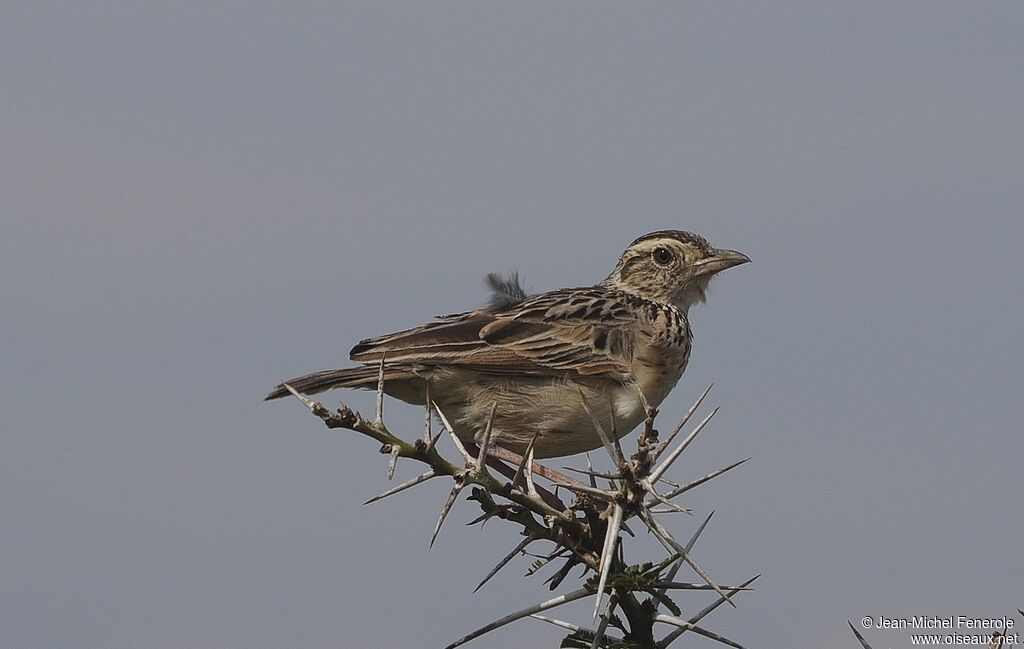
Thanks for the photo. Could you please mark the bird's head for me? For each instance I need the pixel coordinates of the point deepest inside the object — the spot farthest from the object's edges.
(671, 267)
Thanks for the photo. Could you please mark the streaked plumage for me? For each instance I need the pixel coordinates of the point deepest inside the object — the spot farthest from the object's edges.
(533, 355)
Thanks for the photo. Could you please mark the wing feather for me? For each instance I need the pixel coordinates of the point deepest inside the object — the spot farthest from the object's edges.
(582, 331)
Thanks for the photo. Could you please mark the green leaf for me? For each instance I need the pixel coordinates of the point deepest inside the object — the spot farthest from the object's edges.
(667, 601)
(536, 565)
(578, 640)
(615, 621)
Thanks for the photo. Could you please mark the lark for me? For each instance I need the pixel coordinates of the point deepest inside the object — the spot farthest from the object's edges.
(612, 347)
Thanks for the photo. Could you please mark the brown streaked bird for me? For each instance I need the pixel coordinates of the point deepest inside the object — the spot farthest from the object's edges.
(539, 356)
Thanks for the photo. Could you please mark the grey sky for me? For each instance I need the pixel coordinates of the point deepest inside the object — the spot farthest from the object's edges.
(200, 199)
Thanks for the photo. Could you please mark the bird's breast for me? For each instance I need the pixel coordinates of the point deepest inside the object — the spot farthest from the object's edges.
(657, 370)
(661, 358)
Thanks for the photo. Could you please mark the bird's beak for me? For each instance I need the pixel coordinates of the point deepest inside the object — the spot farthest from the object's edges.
(717, 262)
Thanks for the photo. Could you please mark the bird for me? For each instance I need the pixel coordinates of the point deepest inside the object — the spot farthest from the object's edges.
(549, 364)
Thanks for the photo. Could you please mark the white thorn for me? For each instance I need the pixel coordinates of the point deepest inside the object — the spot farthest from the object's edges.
(667, 640)
(512, 617)
(590, 468)
(699, 481)
(444, 510)
(594, 474)
(685, 625)
(569, 626)
(433, 442)
(528, 474)
(393, 460)
(664, 501)
(455, 438)
(671, 545)
(508, 557)
(379, 419)
(689, 413)
(616, 457)
(606, 496)
(686, 585)
(521, 469)
(427, 434)
(674, 621)
(656, 473)
(485, 441)
(309, 403)
(611, 537)
(599, 633)
(700, 530)
(679, 562)
(860, 638)
(611, 415)
(402, 487)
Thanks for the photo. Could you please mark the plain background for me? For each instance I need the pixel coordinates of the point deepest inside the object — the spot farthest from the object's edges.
(202, 198)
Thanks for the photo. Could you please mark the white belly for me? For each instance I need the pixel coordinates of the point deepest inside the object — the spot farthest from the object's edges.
(552, 408)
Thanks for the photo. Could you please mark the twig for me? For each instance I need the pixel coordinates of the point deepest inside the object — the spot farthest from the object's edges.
(577, 531)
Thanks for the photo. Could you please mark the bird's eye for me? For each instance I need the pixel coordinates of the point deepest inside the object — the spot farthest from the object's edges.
(662, 256)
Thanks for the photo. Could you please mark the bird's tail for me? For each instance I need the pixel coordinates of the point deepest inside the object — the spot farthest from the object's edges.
(351, 377)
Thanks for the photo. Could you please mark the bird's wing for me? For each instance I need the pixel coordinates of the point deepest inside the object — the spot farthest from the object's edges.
(583, 331)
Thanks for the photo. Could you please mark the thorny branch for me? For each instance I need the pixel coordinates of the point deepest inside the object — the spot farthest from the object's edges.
(585, 532)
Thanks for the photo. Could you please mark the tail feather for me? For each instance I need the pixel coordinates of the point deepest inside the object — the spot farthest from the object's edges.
(350, 377)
